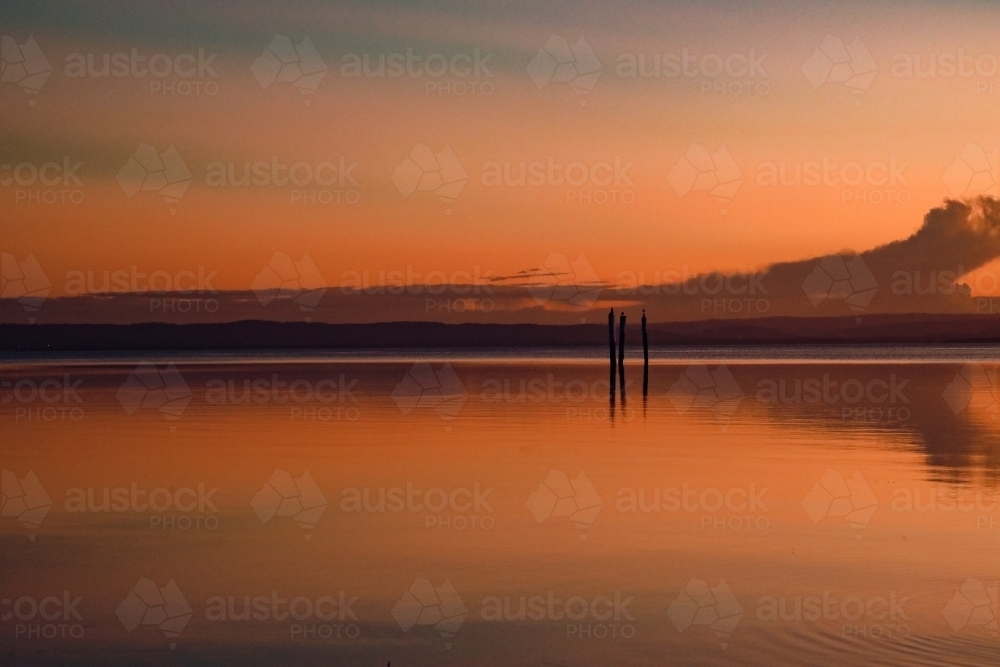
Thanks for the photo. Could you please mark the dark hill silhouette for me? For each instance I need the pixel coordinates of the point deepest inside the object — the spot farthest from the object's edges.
(257, 335)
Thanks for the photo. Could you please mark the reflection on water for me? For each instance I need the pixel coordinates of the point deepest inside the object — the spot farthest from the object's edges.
(505, 511)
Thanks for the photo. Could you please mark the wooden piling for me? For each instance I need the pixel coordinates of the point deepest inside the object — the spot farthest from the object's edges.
(645, 356)
(611, 346)
(621, 354)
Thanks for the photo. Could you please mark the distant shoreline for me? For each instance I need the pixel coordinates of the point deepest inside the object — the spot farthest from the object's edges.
(916, 329)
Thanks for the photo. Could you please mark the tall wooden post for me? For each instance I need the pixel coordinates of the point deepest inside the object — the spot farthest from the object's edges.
(645, 356)
(621, 354)
(611, 346)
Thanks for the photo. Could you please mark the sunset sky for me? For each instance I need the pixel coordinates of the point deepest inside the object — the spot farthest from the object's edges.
(894, 138)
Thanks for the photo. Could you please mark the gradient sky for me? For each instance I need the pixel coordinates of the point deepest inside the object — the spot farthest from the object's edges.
(921, 124)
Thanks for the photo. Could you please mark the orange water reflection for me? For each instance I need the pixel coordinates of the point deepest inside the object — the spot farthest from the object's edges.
(705, 524)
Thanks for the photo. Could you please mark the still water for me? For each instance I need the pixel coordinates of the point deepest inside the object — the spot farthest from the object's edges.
(483, 509)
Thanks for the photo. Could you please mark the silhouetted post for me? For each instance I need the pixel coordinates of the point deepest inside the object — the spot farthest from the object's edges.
(645, 356)
(611, 377)
(611, 346)
(621, 354)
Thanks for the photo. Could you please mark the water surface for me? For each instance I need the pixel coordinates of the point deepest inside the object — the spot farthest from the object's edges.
(792, 506)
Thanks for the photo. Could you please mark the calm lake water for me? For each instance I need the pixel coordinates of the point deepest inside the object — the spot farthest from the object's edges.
(810, 507)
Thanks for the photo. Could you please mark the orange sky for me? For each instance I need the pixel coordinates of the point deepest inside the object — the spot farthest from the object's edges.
(766, 119)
